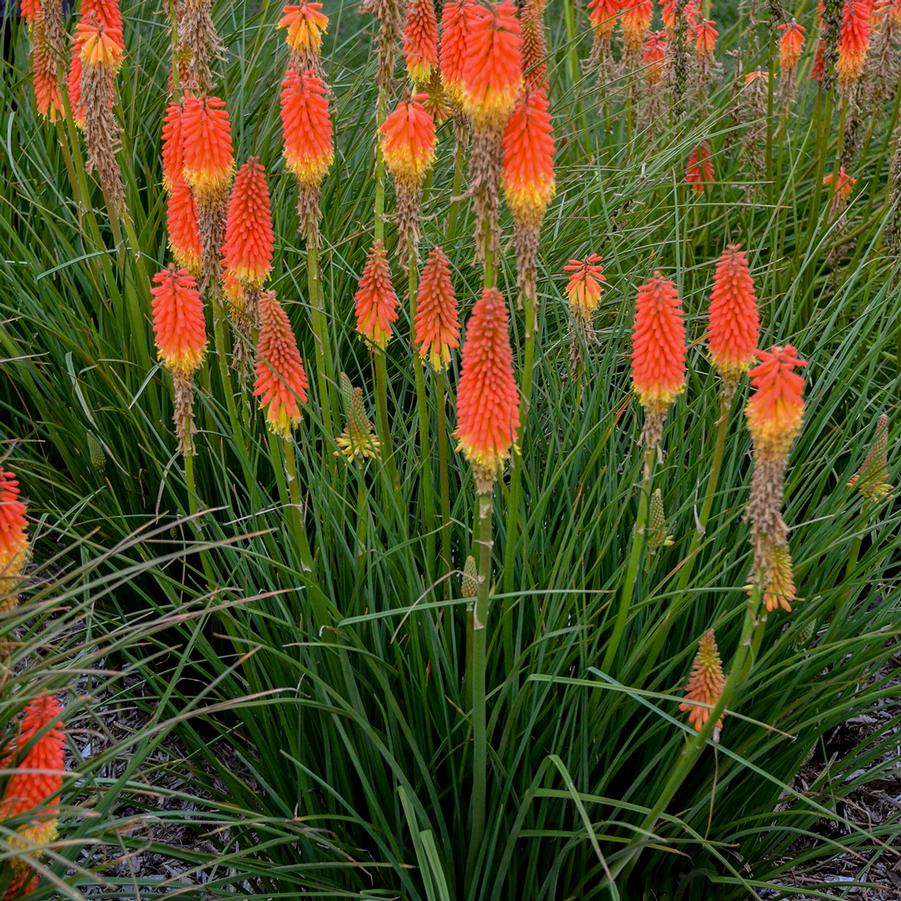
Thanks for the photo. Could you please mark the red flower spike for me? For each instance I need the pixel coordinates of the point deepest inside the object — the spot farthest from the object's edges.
(734, 320)
(48, 97)
(854, 41)
(184, 232)
(452, 53)
(705, 38)
(172, 146)
(668, 14)
(208, 155)
(178, 323)
(585, 285)
(791, 45)
(307, 127)
(776, 407)
(706, 683)
(436, 326)
(30, 12)
(99, 44)
(408, 142)
(249, 239)
(653, 52)
(13, 539)
(376, 302)
(636, 20)
(421, 40)
(305, 24)
(602, 16)
(699, 172)
(844, 184)
(281, 383)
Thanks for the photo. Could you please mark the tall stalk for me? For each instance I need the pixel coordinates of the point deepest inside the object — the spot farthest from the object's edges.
(325, 370)
(443, 475)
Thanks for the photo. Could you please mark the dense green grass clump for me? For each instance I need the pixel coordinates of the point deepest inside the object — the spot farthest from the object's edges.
(336, 759)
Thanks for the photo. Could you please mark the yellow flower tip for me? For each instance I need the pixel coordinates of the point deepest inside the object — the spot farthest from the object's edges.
(305, 24)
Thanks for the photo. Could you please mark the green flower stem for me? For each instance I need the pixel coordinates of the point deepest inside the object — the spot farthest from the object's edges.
(443, 478)
(457, 199)
(325, 370)
(381, 404)
(638, 542)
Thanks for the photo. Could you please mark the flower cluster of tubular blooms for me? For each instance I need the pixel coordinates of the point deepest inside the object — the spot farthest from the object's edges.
(281, 383)
(658, 353)
(307, 130)
(829, 21)
(585, 286)
(305, 23)
(436, 327)
(791, 46)
(871, 480)
(774, 414)
(13, 540)
(180, 332)
(854, 42)
(602, 14)
(391, 15)
(699, 171)
(733, 319)
(844, 185)
(487, 396)
(45, 26)
(198, 40)
(528, 180)
(705, 685)
(534, 47)
(358, 441)
(706, 67)
(420, 44)
(452, 50)
(376, 300)
(108, 15)
(636, 22)
(181, 208)
(32, 790)
(492, 80)
(408, 147)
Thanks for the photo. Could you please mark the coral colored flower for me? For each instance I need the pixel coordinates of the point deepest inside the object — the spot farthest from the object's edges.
(178, 322)
(653, 51)
(73, 85)
(706, 683)
(181, 223)
(281, 381)
(13, 539)
(99, 45)
(776, 407)
(305, 24)
(487, 396)
(452, 53)
(699, 172)
(705, 38)
(249, 239)
(854, 41)
(585, 285)
(668, 14)
(30, 11)
(528, 157)
(48, 97)
(408, 141)
(636, 20)
(106, 12)
(421, 40)
(208, 156)
(307, 127)
(734, 320)
(602, 16)
(376, 302)
(172, 146)
(436, 326)
(844, 184)
(492, 67)
(791, 44)
(658, 344)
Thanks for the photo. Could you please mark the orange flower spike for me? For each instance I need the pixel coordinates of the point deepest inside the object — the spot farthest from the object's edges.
(48, 97)
(305, 24)
(668, 14)
(376, 301)
(492, 67)
(602, 16)
(107, 13)
(487, 396)
(776, 407)
(307, 127)
(734, 319)
(408, 142)
(30, 12)
(178, 323)
(421, 40)
(172, 146)
(436, 326)
(653, 51)
(99, 44)
(281, 383)
(844, 184)
(528, 157)
(854, 41)
(452, 52)
(705, 38)
(658, 344)
(585, 285)
(699, 171)
(705, 685)
(636, 20)
(207, 145)
(249, 239)
(181, 223)
(73, 85)
(13, 539)
(791, 45)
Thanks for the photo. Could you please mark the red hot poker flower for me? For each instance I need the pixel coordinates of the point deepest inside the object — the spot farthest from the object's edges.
(421, 40)
(844, 184)
(376, 302)
(178, 322)
(207, 145)
(699, 172)
(602, 16)
(307, 127)
(854, 41)
(734, 319)
(408, 142)
(281, 383)
(705, 38)
(184, 232)
(172, 141)
(585, 285)
(249, 239)
(636, 18)
(13, 539)
(436, 326)
(791, 44)
(705, 686)
(653, 51)
(776, 407)
(305, 24)
(452, 54)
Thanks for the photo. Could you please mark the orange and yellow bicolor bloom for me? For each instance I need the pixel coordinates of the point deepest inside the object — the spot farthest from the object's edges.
(13, 539)
(528, 158)
(585, 285)
(172, 146)
(705, 38)
(452, 52)
(249, 239)
(734, 320)
(653, 51)
(791, 45)
(706, 683)
(305, 24)
(699, 172)
(376, 300)
(408, 142)
(99, 45)
(33, 788)
(436, 325)
(307, 127)
(207, 152)
(487, 396)
(182, 226)
(602, 16)
(658, 344)
(281, 382)
(107, 14)
(854, 40)
(178, 323)
(776, 407)
(421, 40)
(492, 66)
(636, 20)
